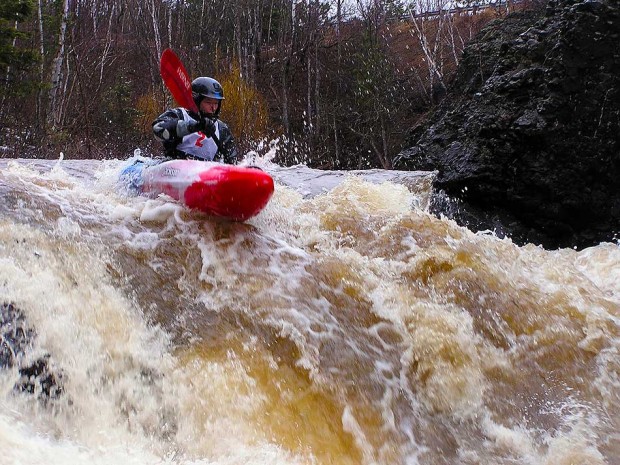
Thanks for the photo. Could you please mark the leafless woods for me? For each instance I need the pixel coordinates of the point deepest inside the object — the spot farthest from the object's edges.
(336, 83)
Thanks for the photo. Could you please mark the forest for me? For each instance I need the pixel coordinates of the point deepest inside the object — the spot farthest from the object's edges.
(333, 84)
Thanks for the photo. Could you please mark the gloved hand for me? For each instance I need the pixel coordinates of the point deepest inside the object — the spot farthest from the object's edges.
(204, 125)
(208, 127)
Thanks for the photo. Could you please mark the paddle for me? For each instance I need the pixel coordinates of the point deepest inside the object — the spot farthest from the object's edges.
(179, 84)
(177, 80)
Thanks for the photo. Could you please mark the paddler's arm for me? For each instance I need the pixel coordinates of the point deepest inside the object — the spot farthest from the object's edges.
(227, 148)
(172, 126)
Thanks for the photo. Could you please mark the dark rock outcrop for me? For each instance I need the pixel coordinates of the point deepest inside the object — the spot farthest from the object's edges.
(528, 139)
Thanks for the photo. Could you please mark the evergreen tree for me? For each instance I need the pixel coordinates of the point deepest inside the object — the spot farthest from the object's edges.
(13, 58)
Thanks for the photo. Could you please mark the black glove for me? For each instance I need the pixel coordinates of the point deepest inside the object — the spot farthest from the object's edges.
(204, 125)
(208, 127)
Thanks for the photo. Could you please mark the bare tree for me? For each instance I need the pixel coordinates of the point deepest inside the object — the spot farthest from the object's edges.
(40, 109)
(428, 34)
(155, 22)
(56, 102)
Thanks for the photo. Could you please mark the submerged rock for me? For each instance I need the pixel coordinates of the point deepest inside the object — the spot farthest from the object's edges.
(16, 336)
(528, 140)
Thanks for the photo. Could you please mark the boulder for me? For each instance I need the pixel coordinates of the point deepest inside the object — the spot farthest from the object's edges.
(527, 141)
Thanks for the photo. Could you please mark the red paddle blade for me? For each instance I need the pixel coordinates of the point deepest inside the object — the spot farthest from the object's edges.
(177, 80)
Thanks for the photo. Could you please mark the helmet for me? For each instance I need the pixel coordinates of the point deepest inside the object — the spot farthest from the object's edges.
(207, 87)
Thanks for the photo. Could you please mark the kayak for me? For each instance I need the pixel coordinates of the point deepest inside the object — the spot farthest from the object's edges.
(233, 192)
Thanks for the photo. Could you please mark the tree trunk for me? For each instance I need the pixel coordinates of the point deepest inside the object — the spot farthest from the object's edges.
(317, 84)
(40, 109)
(269, 25)
(108, 46)
(170, 27)
(258, 39)
(336, 105)
(336, 144)
(430, 50)
(239, 39)
(7, 78)
(55, 113)
(285, 109)
(287, 37)
(156, 33)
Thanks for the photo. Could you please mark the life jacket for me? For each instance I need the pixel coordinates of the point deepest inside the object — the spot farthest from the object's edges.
(196, 144)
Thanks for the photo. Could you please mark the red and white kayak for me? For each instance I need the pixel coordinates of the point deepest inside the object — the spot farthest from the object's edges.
(233, 192)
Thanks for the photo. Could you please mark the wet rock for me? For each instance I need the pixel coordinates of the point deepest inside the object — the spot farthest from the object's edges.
(16, 336)
(37, 378)
(528, 139)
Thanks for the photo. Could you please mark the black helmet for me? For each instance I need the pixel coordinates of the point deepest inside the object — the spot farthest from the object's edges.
(207, 87)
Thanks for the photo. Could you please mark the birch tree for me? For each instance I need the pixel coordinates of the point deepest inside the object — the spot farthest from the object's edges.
(40, 108)
(155, 23)
(55, 113)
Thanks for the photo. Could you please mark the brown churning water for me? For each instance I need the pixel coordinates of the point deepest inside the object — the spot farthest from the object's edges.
(349, 327)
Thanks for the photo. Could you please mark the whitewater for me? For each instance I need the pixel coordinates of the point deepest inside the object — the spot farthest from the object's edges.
(342, 325)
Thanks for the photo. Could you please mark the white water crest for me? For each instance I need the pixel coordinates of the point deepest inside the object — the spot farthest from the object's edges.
(342, 325)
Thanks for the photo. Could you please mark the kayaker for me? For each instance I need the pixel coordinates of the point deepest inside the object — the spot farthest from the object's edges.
(203, 136)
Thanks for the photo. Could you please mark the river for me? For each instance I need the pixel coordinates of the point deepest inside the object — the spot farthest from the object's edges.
(343, 325)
